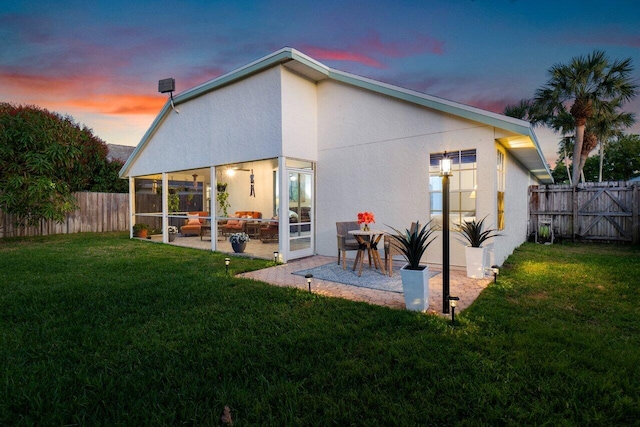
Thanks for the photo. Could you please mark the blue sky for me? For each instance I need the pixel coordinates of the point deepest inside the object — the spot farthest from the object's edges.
(100, 62)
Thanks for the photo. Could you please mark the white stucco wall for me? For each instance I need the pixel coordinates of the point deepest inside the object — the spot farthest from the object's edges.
(236, 123)
(299, 117)
(373, 155)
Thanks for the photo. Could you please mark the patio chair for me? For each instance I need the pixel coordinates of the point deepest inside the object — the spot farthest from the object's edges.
(270, 230)
(391, 249)
(346, 242)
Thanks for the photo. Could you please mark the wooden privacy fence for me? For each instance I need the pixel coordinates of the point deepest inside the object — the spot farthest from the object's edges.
(592, 211)
(97, 212)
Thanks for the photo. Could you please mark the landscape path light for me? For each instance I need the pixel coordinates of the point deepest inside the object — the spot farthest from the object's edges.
(453, 302)
(496, 270)
(276, 256)
(309, 277)
(227, 261)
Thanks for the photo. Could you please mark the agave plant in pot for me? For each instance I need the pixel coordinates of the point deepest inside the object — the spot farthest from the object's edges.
(475, 235)
(413, 243)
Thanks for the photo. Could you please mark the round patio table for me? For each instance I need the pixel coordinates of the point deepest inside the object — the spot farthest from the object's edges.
(371, 246)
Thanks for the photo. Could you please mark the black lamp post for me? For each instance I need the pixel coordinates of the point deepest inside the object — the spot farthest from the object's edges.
(227, 261)
(445, 173)
(309, 277)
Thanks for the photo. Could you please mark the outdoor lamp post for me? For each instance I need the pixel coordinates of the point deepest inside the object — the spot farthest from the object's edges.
(309, 277)
(227, 261)
(445, 173)
(453, 302)
(496, 270)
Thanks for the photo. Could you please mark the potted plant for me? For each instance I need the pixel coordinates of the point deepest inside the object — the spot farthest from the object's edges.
(222, 197)
(475, 235)
(173, 231)
(239, 241)
(413, 243)
(140, 230)
(173, 200)
(544, 234)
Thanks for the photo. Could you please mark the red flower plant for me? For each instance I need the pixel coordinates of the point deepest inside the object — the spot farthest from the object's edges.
(365, 217)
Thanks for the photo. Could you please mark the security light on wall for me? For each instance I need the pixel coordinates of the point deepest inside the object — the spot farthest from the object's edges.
(168, 85)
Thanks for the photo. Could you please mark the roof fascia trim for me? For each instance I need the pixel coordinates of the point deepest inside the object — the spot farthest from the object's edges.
(145, 138)
(514, 125)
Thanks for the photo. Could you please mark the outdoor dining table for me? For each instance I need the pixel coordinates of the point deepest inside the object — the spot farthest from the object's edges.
(370, 245)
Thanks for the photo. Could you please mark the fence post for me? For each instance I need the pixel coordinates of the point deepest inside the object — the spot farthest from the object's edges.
(574, 209)
(635, 215)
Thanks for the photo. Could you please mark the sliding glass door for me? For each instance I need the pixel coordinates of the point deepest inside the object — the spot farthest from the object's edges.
(301, 201)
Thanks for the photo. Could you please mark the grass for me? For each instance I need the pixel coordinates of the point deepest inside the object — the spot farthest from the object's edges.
(97, 329)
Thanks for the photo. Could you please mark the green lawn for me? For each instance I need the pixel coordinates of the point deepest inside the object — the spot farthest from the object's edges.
(96, 329)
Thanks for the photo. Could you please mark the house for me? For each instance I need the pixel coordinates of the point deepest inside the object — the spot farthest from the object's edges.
(119, 152)
(333, 144)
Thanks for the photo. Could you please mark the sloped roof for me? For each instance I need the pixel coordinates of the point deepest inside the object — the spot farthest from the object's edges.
(524, 146)
(119, 152)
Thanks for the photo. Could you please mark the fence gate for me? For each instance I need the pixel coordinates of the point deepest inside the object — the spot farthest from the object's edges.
(604, 211)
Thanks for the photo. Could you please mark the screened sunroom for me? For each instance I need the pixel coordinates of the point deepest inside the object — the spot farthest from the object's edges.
(203, 208)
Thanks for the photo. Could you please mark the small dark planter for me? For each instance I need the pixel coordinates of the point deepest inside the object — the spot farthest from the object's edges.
(239, 247)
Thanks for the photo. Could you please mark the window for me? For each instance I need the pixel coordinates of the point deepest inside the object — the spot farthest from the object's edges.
(462, 186)
(501, 183)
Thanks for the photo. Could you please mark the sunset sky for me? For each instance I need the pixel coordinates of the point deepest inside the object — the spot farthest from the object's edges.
(100, 62)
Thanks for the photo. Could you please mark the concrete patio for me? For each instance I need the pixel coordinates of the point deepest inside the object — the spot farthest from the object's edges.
(282, 275)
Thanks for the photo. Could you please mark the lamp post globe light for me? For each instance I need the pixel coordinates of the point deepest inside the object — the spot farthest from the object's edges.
(445, 173)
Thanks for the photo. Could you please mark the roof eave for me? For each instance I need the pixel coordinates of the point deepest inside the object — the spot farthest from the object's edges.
(318, 71)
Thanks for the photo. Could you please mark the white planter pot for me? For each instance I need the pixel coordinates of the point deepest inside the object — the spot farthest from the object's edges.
(415, 286)
(475, 262)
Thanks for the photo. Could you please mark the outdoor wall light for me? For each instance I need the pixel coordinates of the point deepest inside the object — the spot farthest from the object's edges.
(496, 270)
(227, 261)
(309, 277)
(453, 302)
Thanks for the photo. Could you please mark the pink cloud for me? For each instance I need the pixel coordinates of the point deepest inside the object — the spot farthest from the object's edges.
(198, 76)
(120, 104)
(342, 55)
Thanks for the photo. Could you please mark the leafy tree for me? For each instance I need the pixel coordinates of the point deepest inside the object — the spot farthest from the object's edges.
(622, 158)
(609, 123)
(561, 172)
(587, 88)
(44, 158)
(621, 162)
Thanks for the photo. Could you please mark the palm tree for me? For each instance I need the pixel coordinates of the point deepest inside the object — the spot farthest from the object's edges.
(607, 124)
(580, 89)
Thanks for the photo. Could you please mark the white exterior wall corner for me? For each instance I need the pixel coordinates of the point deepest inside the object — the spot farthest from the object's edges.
(227, 125)
(516, 209)
(299, 116)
